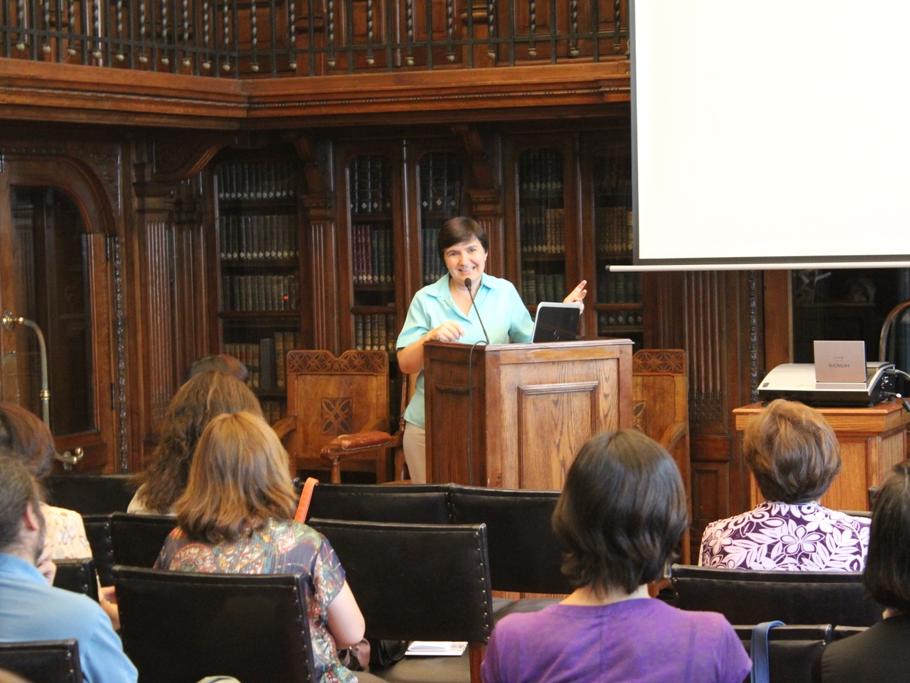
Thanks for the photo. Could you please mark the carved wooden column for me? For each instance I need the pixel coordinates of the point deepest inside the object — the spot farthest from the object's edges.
(485, 29)
(715, 317)
(484, 191)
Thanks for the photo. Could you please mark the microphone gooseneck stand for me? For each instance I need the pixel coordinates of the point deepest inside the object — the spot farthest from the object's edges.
(470, 449)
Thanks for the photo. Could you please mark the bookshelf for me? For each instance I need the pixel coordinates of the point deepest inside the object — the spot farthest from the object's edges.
(440, 187)
(257, 226)
(370, 202)
(541, 222)
(618, 296)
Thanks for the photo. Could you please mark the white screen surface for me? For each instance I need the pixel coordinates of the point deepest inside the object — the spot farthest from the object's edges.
(771, 133)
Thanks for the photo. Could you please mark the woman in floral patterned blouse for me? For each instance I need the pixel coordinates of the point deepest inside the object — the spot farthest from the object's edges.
(794, 456)
(236, 517)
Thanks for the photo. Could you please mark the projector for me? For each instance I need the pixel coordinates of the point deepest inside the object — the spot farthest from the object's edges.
(796, 381)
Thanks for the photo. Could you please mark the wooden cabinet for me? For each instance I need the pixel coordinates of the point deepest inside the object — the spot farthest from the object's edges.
(258, 228)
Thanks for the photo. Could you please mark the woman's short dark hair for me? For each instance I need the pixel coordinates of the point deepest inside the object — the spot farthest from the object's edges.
(18, 490)
(792, 452)
(887, 573)
(460, 229)
(622, 512)
(24, 436)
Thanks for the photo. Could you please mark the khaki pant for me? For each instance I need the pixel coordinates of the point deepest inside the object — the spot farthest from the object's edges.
(415, 452)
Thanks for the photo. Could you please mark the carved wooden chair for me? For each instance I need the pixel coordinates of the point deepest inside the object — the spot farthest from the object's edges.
(660, 406)
(338, 412)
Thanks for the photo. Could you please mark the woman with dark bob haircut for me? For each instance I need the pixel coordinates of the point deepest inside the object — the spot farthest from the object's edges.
(794, 455)
(881, 652)
(449, 311)
(621, 514)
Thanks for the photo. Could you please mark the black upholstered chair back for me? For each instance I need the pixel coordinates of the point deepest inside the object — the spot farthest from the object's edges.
(137, 539)
(43, 661)
(90, 493)
(98, 531)
(416, 504)
(77, 576)
(178, 626)
(416, 581)
(794, 652)
(525, 555)
(751, 597)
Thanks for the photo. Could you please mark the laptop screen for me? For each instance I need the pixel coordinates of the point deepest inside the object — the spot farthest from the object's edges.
(556, 322)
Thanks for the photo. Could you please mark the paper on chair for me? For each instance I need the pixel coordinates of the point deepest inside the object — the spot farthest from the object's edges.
(437, 648)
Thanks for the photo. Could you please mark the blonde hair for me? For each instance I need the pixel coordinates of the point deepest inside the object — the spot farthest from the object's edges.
(239, 479)
(792, 451)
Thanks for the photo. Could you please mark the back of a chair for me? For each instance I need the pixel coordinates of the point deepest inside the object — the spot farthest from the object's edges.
(525, 555)
(332, 395)
(751, 597)
(794, 652)
(43, 661)
(137, 539)
(416, 581)
(178, 626)
(417, 504)
(90, 493)
(77, 576)
(98, 531)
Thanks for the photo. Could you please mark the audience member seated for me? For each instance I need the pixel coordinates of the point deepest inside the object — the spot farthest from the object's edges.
(25, 437)
(221, 362)
(880, 654)
(31, 608)
(794, 456)
(236, 516)
(201, 398)
(621, 514)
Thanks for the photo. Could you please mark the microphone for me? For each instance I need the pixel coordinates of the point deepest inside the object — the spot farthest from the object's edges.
(467, 285)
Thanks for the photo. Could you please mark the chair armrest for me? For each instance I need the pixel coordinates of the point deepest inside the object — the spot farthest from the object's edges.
(361, 441)
(673, 435)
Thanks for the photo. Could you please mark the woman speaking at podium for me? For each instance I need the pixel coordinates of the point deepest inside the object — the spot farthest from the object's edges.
(465, 305)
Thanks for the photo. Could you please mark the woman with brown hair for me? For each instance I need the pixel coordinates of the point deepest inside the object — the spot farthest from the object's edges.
(794, 456)
(236, 517)
(201, 398)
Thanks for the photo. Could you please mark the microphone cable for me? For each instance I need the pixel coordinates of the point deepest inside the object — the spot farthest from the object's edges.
(469, 451)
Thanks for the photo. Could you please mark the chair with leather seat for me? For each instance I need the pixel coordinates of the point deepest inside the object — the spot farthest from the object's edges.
(98, 531)
(525, 555)
(178, 626)
(137, 539)
(419, 582)
(77, 576)
(751, 597)
(43, 661)
(90, 493)
(338, 412)
(415, 503)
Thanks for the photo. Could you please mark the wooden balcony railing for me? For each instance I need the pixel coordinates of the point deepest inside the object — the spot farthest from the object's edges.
(269, 38)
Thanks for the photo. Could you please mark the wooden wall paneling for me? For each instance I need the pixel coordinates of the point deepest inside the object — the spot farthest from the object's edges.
(8, 366)
(484, 188)
(778, 327)
(404, 227)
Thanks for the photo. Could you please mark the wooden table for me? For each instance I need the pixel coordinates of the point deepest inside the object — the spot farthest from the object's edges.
(872, 440)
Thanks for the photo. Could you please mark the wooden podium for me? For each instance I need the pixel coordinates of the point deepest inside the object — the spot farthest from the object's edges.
(514, 415)
(872, 441)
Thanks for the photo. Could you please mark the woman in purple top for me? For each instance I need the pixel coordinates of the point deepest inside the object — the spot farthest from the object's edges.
(621, 514)
(794, 456)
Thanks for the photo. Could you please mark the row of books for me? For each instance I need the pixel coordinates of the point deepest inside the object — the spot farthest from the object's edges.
(542, 286)
(540, 175)
(619, 288)
(543, 231)
(375, 331)
(256, 180)
(272, 410)
(612, 172)
(432, 265)
(370, 179)
(261, 237)
(613, 230)
(266, 359)
(259, 292)
(372, 254)
(609, 319)
(440, 183)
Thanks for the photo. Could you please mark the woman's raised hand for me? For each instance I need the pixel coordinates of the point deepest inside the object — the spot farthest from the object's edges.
(578, 294)
(449, 331)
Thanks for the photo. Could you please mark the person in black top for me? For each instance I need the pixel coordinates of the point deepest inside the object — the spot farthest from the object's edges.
(881, 653)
